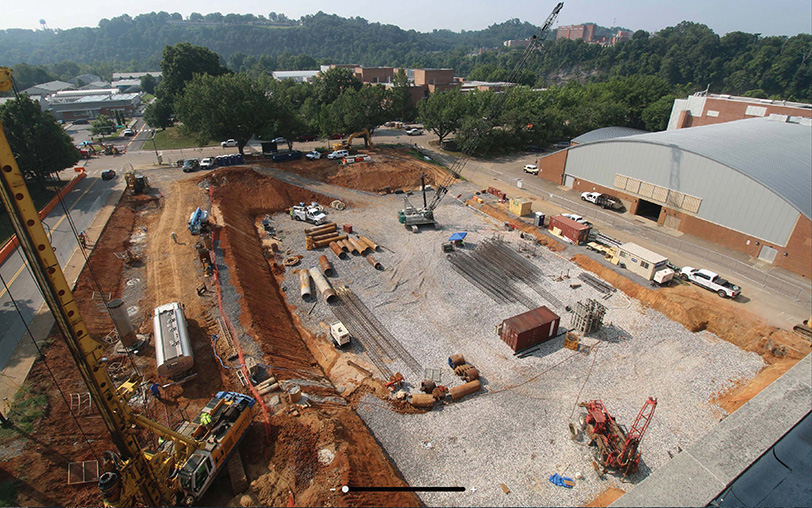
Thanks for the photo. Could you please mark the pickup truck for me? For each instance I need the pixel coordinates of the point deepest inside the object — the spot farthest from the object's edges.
(710, 281)
(603, 200)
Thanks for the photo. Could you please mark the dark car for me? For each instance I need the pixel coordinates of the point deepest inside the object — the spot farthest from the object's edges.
(191, 165)
(286, 156)
(306, 137)
(108, 174)
(80, 122)
(534, 148)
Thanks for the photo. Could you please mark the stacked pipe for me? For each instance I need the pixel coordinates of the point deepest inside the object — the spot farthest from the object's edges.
(321, 236)
(311, 244)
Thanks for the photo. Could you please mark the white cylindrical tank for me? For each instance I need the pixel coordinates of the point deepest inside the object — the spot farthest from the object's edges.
(173, 349)
(122, 322)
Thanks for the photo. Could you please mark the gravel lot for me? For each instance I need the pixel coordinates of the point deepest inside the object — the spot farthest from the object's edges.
(515, 430)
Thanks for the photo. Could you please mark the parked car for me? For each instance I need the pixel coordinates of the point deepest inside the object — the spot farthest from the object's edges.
(710, 281)
(128, 133)
(227, 143)
(562, 144)
(208, 163)
(534, 148)
(314, 155)
(336, 135)
(414, 131)
(306, 137)
(280, 139)
(191, 165)
(81, 122)
(531, 168)
(338, 154)
(108, 174)
(577, 218)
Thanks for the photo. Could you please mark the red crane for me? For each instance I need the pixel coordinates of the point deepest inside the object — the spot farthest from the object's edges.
(618, 449)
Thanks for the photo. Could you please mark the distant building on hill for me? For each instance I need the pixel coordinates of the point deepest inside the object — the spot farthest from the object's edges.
(585, 32)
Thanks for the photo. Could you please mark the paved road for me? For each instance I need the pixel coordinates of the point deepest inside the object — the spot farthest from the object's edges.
(83, 202)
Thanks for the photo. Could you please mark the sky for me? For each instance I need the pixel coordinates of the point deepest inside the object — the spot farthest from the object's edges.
(767, 17)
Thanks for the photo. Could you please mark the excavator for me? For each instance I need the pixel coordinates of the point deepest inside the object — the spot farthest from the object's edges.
(346, 144)
(413, 217)
(189, 457)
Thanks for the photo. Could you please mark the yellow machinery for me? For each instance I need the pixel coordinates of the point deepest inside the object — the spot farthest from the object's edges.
(190, 457)
(136, 183)
(346, 144)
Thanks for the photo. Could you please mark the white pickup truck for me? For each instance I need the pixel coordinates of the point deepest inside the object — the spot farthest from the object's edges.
(710, 281)
(311, 214)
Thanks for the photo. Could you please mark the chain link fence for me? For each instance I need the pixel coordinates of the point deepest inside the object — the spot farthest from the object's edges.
(770, 282)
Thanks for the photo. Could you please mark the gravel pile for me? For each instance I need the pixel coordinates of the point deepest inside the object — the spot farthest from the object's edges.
(515, 430)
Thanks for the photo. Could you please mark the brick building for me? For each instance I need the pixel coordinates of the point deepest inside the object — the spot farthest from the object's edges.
(744, 184)
(704, 109)
(586, 32)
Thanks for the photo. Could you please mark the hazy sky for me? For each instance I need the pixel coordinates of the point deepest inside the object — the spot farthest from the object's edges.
(768, 17)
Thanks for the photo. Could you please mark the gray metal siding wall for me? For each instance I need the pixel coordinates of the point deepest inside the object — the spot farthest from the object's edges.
(729, 198)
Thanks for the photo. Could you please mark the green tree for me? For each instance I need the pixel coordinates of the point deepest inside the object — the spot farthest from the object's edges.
(102, 126)
(441, 112)
(655, 116)
(158, 114)
(39, 144)
(227, 106)
(148, 84)
(180, 63)
(401, 97)
(330, 85)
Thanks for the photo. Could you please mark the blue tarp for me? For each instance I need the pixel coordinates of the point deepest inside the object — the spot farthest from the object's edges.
(561, 481)
(457, 236)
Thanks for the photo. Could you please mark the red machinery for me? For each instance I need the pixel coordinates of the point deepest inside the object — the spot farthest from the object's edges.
(618, 450)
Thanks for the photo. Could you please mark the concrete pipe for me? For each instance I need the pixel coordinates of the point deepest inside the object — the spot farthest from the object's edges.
(294, 394)
(428, 385)
(322, 285)
(304, 284)
(374, 262)
(337, 250)
(372, 245)
(326, 267)
(461, 391)
(268, 388)
(330, 226)
(423, 400)
(455, 361)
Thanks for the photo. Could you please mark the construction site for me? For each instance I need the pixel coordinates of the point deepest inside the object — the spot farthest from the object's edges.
(479, 365)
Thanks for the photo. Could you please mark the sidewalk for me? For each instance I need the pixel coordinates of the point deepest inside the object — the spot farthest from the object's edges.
(13, 376)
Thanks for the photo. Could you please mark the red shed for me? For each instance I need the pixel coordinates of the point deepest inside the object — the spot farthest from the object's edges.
(576, 232)
(528, 329)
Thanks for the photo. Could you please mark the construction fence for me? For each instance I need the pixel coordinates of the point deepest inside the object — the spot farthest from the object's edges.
(800, 294)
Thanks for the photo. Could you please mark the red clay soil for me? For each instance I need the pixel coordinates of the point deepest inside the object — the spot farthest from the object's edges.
(290, 462)
(393, 168)
(40, 471)
(698, 310)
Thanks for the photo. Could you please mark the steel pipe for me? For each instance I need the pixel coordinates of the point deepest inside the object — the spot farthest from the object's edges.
(468, 388)
(304, 284)
(326, 241)
(356, 247)
(337, 250)
(372, 245)
(374, 262)
(326, 267)
(330, 226)
(456, 360)
(322, 236)
(344, 244)
(422, 400)
(322, 285)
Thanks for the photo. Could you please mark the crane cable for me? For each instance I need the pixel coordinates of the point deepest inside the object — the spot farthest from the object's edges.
(48, 368)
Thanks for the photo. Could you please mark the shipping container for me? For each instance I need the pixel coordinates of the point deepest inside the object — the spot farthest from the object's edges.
(567, 228)
(528, 329)
(520, 206)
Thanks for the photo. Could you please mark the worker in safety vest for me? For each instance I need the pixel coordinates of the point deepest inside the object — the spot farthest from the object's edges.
(205, 419)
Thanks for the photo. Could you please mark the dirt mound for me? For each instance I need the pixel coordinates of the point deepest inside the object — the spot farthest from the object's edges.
(698, 310)
(241, 194)
(392, 168)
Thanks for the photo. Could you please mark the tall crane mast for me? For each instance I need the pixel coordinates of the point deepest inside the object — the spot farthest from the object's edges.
(411, 216)
(137, 473)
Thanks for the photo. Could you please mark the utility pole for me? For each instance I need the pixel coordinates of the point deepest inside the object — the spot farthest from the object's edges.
(155, 147)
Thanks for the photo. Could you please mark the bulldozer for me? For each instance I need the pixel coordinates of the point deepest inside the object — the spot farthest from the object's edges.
(346, 144)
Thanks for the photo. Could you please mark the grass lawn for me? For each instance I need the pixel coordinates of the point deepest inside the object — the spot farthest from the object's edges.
(172, 139)
(147, 97)
(40, 197)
